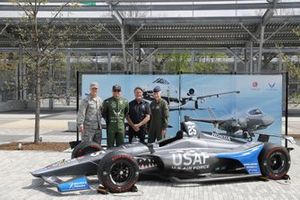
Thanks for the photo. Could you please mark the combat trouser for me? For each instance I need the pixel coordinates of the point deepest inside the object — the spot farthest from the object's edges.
(155, 135)
(92, 135)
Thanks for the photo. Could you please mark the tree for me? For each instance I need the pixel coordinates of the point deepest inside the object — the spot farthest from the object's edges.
(210, 63)
(182, 62)
(292, 66)
(179, 62)
(40, 42)
(8, 63)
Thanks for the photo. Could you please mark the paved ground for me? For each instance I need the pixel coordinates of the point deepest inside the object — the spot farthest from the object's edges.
(17, 183)
(294, 126)
(20, 126)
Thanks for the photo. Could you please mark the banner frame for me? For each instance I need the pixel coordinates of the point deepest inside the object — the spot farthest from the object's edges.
(284, 74)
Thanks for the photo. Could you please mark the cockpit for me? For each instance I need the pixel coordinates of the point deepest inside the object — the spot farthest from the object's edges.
(255, 112)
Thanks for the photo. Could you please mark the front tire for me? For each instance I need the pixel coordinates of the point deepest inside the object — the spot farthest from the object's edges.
(118, 172)
(85, 148)
(274, 162)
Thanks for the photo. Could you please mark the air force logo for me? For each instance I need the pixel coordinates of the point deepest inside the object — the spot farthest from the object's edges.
(189, 159)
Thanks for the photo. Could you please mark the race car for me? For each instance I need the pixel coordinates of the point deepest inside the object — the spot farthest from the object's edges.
(189, 157)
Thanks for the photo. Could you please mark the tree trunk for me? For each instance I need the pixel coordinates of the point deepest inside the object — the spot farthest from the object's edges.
(37, 54)
(37, 105)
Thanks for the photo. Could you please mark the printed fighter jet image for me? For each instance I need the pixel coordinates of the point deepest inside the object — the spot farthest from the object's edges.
(171, 95)
(248, 122)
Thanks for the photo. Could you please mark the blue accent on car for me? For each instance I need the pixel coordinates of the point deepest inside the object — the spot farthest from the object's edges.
(73, 185)
(249, 158)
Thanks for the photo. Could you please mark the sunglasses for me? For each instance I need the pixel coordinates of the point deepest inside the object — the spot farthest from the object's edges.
(94, 88)
(117, 90)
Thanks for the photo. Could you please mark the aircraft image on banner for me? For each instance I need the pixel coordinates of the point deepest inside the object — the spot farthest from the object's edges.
(171, 95)
(247, 122)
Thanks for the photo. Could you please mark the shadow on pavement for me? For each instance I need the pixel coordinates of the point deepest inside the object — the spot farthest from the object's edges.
(145, 179)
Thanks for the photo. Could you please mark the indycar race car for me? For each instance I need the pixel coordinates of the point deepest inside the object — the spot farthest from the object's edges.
(189, 157)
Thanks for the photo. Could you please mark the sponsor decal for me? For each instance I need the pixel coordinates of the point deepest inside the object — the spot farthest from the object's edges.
(73, 185)
(252, 168)
(97, 153)
(225, 137)
(272, 85)
(77, 185)
(189, 159)
(254, 85)
(59, 163)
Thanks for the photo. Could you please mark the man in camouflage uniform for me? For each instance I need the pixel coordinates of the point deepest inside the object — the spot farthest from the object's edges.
(115, 109)
(159, 117)
(89, 116)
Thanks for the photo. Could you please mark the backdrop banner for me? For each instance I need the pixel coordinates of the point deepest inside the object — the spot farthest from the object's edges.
(232, 107)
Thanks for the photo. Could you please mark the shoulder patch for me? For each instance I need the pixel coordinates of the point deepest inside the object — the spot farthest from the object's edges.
(86, 99)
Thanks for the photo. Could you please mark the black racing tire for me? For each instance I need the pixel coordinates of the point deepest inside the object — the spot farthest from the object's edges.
(118, 172)
(85, 148)
(274, 161)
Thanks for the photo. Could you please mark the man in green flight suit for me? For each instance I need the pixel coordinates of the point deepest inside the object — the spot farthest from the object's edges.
(115, 109)
(159, 117)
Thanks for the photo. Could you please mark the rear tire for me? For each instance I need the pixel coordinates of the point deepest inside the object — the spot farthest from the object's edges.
(274, 161)
(85, 148)
(118, 172)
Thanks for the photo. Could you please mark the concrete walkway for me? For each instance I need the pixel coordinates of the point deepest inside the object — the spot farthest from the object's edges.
(20, 127)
